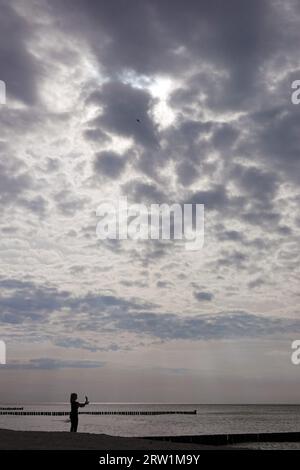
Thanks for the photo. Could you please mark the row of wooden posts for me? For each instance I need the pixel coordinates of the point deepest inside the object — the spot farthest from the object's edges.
(10, 408)
(66, 413)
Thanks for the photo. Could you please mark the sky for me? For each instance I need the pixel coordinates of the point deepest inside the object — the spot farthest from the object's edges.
(160, 102)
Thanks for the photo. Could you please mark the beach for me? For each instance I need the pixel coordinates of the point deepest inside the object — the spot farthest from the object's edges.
(39, 440)
(210, 419)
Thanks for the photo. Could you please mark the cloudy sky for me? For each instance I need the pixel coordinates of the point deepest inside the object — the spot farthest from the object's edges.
(159, 101)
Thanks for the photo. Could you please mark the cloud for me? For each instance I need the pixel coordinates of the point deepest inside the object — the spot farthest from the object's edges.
(79, 343)
(26, 301)
(202, 296)
(12, 183)
(187, 173)
(109, 164)
(163, 284)
(235, 39)
(229, 235)
(37, 205)
(45, 363)
(68, 203)
(258, 282)
(164, 102)
(204, 327)
(143, 192)
(121, 106)
(258, 184)
(273, 133)
(95, 134)
(19, 68)
(235, 259)
(18, 186)
(215, 198)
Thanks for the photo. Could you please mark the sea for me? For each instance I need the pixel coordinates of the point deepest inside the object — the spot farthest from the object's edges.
(210, 419)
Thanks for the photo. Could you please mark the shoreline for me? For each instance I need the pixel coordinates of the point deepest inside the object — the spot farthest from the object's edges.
(62, 440)
(44, 440)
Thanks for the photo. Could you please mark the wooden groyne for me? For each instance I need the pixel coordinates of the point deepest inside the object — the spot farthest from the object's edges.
(223, 439)
(97, 413)
(10, 408)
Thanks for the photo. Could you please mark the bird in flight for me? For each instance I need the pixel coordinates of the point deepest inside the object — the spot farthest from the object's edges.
(137, 120)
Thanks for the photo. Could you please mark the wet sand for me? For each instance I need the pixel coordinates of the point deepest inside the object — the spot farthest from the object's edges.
(37, 440)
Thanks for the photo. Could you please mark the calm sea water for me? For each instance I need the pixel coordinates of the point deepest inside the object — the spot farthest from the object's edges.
(210, 419)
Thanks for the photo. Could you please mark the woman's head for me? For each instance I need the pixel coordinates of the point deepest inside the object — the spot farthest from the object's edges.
(73, 397)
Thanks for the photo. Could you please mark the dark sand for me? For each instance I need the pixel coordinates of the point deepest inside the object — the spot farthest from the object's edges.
(20, 440)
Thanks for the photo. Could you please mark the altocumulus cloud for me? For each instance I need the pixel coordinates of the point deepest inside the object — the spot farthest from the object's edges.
(93, 88)
(203, 296)
(113, 314)
(50, 363)
(225, 325)
(23, 301)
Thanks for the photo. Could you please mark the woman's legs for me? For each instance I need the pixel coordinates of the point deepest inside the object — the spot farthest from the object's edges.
(74, 424)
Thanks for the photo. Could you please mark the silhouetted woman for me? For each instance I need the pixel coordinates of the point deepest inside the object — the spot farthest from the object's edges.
(74, 410)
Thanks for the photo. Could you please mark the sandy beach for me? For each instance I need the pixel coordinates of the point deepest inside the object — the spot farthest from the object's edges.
(36, 440)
